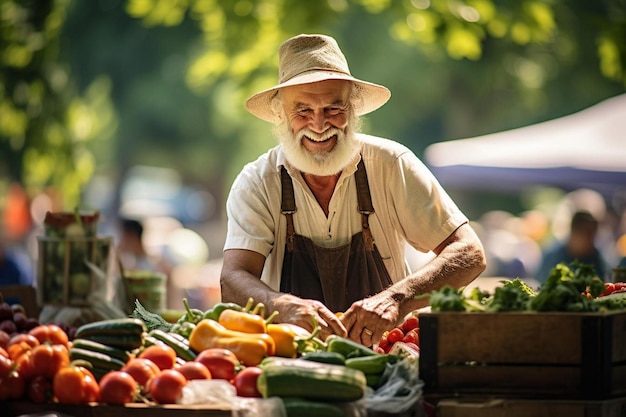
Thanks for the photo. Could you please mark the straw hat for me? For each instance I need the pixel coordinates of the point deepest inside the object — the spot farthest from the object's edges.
(306, 59)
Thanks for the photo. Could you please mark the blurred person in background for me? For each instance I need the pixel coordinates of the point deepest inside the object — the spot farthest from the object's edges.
(579, 246)
(15, 266)
(131, 247)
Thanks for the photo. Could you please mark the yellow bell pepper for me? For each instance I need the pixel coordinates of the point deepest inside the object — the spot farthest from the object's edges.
(250, 348)
(242, 321)
(284, 339)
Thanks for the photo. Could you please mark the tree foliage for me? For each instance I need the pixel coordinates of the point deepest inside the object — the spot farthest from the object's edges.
(89, 86)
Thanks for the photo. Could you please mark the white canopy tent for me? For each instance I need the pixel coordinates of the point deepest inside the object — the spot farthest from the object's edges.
(586, 149)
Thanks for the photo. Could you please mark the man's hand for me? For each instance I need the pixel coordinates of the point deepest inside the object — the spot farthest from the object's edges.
(292, 309)
(367, 319)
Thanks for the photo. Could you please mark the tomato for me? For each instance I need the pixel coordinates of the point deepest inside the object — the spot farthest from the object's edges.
(167, 387)
(50, 333)
(21, 343)
(162, 355)
(412, 337)
(395, 335)
(6, 365)
(39, 390)
(194, 370)
(118, 387)
(410, 323)
(47, 359)
(75, 385)
(383, 342)
(4, 339)
(142, 370)
(12, 386)
(245, 382)
(25, 366)
(222, 363)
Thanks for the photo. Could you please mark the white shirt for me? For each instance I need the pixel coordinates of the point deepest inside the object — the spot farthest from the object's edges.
(410, 207)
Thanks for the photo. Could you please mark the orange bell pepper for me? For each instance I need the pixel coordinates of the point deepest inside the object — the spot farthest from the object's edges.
(250, 348)
(284, 338)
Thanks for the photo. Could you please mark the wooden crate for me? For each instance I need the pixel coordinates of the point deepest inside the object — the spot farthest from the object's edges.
(22, 408)
(64, 274)
(530, 354)
(504, 407)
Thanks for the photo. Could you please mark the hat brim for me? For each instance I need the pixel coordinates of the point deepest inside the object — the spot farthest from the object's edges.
(374, 95)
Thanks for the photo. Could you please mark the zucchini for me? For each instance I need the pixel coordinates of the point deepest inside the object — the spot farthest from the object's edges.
(94, 346)
(300, 407)
(310, 380)
(177, 342)
(96, 359)
(122, 326)
(333, 358)
(371, 364)
(347, 347)
(120, 341)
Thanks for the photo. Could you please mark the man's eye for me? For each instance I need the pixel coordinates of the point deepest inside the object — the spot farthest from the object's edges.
(333, 111)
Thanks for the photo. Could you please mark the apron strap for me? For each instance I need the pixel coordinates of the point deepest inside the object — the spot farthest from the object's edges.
(287, 205)
(365, 204)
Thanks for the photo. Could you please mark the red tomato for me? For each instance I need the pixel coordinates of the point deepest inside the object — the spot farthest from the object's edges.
(222, 363)
(47, 360)
(412, 337)
(162, 355)
(12, 386)
(75, 385)
(383, 343)
(395, 335)
(142, 370)
(410, 323)
(25, 366)
(20, 343)
(50, 333)
(6, 365)
(194, 370)
(118, 387)
(40, 390)
(245, 382)
(4, 339)
(167, 387)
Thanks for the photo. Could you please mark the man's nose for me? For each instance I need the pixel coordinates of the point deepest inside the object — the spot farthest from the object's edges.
(319, 122)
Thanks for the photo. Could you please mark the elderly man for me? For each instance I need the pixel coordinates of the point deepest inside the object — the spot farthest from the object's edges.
(318, 225)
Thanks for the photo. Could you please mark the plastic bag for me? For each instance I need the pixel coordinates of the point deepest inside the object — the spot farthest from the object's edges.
(222, 393)
(400, 389)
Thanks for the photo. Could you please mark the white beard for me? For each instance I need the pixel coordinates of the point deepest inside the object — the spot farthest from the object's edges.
(320, 163)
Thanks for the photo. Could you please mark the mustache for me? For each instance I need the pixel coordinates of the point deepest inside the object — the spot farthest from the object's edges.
(318, 137)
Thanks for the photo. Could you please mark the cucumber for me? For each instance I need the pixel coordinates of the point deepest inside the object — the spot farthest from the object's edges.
(311, 381)
(300, 407)
(373, 380)
(94, 346)
(325, 357)
(122, 326)
(96, 359)
(371, 364)
(177, 342)
(347, 347)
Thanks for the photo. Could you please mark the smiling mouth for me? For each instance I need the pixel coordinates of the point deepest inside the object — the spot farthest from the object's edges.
(320, 140)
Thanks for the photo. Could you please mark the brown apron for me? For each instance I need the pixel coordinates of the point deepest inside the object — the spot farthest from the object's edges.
(335, 276)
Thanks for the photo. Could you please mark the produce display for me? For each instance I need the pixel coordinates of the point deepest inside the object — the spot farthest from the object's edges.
(568, 288)
(144, 358)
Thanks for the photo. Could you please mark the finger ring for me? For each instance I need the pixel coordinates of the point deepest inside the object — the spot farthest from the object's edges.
(368, 331)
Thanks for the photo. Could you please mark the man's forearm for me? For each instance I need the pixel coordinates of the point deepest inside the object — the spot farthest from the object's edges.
(457, 265)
